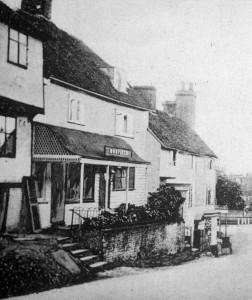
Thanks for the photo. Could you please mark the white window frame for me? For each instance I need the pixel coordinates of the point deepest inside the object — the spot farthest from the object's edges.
(120, 117)
(76, 111)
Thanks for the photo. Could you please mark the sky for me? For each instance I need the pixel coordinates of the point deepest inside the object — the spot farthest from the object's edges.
(165, 42)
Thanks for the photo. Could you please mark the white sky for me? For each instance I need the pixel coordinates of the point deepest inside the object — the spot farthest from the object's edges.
(164, 42)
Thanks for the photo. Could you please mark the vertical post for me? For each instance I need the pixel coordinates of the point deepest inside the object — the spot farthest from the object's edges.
(127, 188)
(220, 222)
(82, 182)
(226, 226)
(107, 187)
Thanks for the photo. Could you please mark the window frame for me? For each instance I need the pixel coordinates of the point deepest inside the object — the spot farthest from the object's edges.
(92, 199)
(18, 64)
(76, 111)
(13, 155)
(124, 124)
(77, 200)
(130, 170)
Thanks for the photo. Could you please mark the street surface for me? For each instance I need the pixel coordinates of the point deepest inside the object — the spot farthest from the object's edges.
(227, 277)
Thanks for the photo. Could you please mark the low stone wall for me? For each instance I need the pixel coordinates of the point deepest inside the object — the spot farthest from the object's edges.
(126, 243)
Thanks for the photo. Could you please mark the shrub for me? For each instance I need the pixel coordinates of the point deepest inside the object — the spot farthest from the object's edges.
(162, 206)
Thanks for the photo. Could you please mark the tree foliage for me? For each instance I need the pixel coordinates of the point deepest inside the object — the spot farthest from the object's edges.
(229, 193)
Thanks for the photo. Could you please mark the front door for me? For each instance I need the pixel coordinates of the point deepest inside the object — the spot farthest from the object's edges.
(58, 193)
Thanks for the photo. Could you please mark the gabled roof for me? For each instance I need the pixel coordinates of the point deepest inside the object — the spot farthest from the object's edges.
(17, 21)
(70, 60)
(174, 133)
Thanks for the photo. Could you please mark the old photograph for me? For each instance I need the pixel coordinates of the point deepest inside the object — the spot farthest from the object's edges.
(125, 149)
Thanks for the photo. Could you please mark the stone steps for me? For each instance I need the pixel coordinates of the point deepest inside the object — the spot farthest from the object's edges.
(83, 255)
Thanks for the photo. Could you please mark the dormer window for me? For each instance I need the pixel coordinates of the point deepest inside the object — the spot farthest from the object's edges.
(17, 48)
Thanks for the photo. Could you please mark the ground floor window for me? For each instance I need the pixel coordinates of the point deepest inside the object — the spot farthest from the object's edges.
(89, 183)
(73, 182)
(120, 178)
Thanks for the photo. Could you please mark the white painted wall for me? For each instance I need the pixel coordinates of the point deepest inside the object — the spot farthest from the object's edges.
(99, 115)
(22, 85)
(153, 149)
(13, 169)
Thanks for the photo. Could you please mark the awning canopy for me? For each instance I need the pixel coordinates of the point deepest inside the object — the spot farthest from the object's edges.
(54, 140)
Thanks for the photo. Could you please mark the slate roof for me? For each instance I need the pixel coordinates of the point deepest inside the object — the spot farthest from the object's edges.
(82, 143)
(70, 60)
(176, 134)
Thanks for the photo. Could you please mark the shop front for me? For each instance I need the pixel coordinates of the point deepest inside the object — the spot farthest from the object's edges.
(85, 172)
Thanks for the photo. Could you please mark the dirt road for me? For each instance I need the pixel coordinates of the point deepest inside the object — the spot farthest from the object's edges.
(226, 277)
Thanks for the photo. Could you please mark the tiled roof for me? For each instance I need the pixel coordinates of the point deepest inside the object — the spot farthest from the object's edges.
(70, 60)
(176, 134)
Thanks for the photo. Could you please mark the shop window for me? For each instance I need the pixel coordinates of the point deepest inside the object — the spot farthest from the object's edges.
(89, 183)
(40, 177)
(73, 182)
(124, 124)
(7, 136)
(18, 48)
(76, 111)
(120, 178)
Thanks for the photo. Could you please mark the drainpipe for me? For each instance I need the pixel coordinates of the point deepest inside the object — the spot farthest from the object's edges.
(127, 189)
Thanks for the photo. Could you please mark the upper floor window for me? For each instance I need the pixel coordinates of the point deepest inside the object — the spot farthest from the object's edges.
(191, 162)
(76, 111)
(7, 136)
(210, 164)
(208, 197)
(124, 124)
(172, 158)
(18, 48)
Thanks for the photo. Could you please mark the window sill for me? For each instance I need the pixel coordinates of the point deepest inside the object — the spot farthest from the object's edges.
(76, 123)
(130, 136)
(88, 200)
(122, 190)
(72, 202)
(18, 65)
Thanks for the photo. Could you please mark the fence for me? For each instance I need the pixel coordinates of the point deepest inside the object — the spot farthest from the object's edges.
(79, 214)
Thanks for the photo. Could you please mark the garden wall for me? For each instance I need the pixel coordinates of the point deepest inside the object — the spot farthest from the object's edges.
(126, 243)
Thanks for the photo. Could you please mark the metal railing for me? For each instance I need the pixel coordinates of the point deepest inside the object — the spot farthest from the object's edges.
(79, 214)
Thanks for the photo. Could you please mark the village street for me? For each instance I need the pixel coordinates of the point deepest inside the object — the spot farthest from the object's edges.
(226, 277)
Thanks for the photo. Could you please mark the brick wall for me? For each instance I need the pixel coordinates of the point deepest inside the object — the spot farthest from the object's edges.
(126, 243)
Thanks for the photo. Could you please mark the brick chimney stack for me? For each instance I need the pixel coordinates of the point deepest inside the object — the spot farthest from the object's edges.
(150, 94)
(185, 104)
(38, 7)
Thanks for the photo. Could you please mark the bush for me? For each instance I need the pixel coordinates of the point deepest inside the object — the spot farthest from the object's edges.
(162, 206)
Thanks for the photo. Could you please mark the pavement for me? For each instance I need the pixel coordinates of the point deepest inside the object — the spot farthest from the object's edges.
(226, 277)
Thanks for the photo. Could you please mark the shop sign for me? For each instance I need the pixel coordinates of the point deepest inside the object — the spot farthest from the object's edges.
(109, 151)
